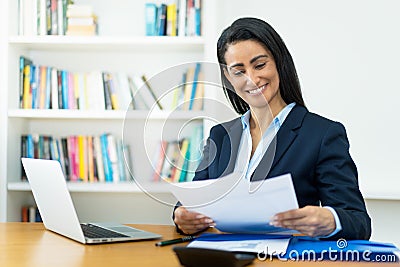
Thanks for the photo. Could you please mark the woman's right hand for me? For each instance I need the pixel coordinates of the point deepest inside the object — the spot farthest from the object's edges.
(191, 222)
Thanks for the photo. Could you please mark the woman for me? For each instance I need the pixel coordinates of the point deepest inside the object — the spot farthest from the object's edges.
(260, 80)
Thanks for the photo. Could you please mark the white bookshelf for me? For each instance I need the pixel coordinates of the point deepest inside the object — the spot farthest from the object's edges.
(121, 187)
(120, 47)
(107, 43)
(63, 114)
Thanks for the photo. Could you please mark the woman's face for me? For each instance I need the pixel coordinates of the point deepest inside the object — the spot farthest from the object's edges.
(252, 72)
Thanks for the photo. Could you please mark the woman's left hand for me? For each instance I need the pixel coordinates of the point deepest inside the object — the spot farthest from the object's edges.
(310, 220)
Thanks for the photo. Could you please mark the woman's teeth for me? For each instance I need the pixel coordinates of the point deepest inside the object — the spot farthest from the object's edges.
(257, 91)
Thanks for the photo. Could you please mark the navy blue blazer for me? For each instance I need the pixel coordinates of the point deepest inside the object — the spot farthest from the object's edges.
(314, 150)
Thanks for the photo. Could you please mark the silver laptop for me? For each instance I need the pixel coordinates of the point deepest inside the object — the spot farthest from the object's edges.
(58, 213)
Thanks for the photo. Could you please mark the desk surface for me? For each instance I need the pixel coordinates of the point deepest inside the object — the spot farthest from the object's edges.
(29, 244)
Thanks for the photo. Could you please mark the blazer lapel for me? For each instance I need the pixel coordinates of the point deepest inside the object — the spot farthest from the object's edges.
(280, 144)
(230, 148)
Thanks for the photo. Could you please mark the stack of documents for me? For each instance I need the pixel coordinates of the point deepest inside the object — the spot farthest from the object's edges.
(237, 205)
(253, 243)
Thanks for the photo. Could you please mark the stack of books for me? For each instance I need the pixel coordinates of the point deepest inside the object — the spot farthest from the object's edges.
(81, 20)
(30, 214)
(175, 18)
(45, 87)
(177, 160)
(83, 158)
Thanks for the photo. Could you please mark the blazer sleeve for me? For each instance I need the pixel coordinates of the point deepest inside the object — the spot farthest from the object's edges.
(338, 184)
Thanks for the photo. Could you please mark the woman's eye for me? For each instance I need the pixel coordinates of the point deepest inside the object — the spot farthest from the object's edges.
(260, 65)
(236, 72)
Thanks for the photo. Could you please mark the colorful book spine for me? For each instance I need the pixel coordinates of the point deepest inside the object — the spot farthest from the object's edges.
(106, 160)
(151, 18)
(194, 85)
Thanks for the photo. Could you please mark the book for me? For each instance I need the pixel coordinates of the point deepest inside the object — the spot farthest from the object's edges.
(162, 19)
(82, 155)
(54, 89)
(138, 99)
(171, 20)
(182, 18)
(151, 19)
(54, 17)
(171, 157)
(34, 85)
(195, 151)
(113, 157)
(64, 89)
(149, 87)
(149, 100)
(188, 88)
(197, 17)
(158, 159)
(23, 62)
(194, 85)
(74, 10)
(198, 100)
(180, 162)
(98, 152)
(95, 91)
(122, 90)
(108, 171)
(24, 154)
(27, 95)
(107, 91)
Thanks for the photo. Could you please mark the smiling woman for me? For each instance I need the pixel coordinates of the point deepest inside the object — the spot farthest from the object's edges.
(276, 134)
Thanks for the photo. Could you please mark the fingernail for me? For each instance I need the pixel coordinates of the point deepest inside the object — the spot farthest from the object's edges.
(200, 216)
(208, 221)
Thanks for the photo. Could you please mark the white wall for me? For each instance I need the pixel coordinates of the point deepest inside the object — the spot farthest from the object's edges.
(347, 54)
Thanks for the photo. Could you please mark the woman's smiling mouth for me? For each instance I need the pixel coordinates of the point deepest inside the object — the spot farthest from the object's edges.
(259, 90)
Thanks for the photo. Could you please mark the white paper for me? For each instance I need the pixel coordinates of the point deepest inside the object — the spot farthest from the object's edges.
(261, 246)
(239, 206)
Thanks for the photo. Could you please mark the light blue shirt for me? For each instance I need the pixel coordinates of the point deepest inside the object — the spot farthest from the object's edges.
(246, 164)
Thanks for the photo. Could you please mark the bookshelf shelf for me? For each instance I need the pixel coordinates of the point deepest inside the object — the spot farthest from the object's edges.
(126, 187)
(111, 43)
(43, 114)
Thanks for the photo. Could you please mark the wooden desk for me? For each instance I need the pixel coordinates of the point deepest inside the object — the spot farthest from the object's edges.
(29, 244)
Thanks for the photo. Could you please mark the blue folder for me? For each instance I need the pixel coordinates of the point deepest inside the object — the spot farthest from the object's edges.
(312, 249)
(307, 248)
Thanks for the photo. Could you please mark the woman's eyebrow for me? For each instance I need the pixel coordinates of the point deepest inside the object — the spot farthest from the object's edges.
(257, 57)
(251, 61)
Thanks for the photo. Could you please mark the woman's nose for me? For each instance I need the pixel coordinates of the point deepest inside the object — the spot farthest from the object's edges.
(252, 78)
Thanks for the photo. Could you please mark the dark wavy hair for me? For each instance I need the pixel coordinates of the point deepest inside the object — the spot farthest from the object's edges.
(258, 30)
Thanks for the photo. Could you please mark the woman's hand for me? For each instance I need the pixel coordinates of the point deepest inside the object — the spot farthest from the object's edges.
(310, 220)
(191, 222)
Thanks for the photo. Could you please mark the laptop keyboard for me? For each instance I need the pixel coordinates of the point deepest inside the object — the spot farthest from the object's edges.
(93, 231)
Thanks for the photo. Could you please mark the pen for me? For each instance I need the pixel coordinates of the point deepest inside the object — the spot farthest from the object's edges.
(175, 241)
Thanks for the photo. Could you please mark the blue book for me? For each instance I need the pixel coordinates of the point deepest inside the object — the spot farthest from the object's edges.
(34, 84)
(64, 89)
(48, 88)
(162, 20)
(151, 19)
(194, 85)
(30, 146)
(106, 159)
(197, 17)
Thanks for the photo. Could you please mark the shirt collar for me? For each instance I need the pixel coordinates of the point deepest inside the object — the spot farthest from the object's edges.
(278, 120)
